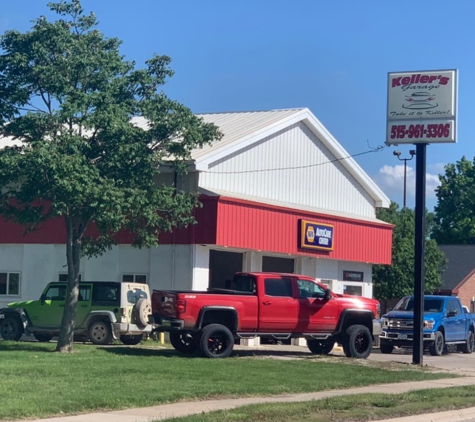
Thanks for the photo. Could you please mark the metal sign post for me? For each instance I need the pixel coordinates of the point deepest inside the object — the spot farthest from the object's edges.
(422, 109)
(418, 347)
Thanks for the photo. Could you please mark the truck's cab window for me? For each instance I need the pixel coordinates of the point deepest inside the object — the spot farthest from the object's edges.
(278, 287)
(310, 289)
(454, 305)
(243, 283)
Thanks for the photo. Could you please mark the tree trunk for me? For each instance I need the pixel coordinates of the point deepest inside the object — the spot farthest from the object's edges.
(73, 255)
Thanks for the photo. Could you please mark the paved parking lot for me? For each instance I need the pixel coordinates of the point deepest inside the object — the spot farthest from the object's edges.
(453, 362)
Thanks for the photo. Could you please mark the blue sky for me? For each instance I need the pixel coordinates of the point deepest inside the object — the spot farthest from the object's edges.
(330, 56)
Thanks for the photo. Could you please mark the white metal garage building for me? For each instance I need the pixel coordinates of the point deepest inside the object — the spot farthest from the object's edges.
(276, 180)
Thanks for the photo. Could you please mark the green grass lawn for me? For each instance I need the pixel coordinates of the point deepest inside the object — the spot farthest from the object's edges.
(364, 407)
(35, 382)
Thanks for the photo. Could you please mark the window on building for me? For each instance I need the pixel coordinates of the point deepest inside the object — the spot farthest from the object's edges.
(134, 278)
(9, 284)
(352, 290)
(63, 277)
(278, 287)
(276, 264)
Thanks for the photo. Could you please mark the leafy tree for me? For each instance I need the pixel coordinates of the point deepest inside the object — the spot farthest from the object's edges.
(455, 210)
(69, 95)
(397, 280)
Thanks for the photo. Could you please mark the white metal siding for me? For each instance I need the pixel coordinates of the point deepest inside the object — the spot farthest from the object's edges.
(167, 266)
(201, 267)
(327, 186)
(181, 267)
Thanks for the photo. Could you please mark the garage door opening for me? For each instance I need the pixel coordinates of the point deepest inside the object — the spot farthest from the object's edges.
(277, 265)
(223, 266)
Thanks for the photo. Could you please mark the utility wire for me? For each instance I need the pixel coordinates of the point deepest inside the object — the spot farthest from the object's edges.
(377, 149)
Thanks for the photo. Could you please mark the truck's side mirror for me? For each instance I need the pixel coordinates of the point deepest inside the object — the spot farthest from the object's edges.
(451, 313)
(328, 294)
(42, 299)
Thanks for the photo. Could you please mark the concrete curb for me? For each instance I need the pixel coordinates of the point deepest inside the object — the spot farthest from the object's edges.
(448, 416)
(167, 411)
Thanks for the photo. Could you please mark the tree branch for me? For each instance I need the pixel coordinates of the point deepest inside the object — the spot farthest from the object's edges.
(46, 101)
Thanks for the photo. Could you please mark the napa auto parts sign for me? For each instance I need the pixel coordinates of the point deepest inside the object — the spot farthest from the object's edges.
(422, 107)
(315, 235)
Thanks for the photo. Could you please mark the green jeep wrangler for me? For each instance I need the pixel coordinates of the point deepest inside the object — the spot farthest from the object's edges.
(106, 311)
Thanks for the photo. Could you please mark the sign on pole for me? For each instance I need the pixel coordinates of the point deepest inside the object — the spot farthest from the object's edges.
(422, 107)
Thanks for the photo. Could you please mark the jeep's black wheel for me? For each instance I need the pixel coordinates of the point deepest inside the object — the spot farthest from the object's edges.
(43, 337)
(100, 332)
(131, 340)
(217, 341)
(386, 348)
(437, 347)
(357, 342)
(184, 341)
(468, 346)
(11, 328)
(320, 347)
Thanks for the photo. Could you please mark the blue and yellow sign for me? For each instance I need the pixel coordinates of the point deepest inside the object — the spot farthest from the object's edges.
(316, 235)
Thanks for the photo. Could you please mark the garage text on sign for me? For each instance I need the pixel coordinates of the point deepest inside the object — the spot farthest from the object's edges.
(422, 107)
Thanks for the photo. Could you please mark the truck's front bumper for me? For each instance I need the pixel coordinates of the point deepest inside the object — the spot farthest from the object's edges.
(377, 327)
(403, 337)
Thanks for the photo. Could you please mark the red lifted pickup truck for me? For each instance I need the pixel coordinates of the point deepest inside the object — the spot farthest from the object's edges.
(272, 305)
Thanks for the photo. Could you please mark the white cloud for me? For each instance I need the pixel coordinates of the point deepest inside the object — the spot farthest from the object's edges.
(391, 180)
(437, 168)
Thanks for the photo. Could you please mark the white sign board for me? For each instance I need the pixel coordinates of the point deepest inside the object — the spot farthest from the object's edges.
(422, 107)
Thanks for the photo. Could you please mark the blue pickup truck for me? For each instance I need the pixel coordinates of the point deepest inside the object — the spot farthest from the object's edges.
(447, 326)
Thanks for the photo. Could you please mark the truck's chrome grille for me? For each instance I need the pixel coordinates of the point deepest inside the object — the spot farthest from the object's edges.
(401, 324)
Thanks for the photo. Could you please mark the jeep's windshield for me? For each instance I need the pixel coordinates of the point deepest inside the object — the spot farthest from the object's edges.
(430, 304)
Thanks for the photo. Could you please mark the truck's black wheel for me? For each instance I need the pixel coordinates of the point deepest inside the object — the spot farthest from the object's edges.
(43, 337)
(11, 328)
(184, 341)
(357, 342)
(437, 347)
(217, 341)
(468, 346)
(386, 349)
(131, 340)
(320, 347)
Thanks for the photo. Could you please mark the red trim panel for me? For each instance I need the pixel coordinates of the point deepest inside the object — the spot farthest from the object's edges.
(250, 225)
(54, 231)
(246, 225)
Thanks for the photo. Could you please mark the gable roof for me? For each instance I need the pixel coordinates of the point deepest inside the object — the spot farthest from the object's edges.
(237, 127)
(242, 129)
(461, 265)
